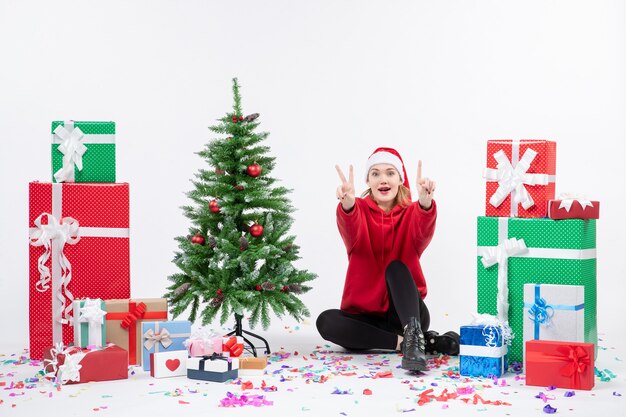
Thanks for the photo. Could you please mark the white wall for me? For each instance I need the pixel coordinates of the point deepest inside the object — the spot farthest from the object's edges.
(332, 81)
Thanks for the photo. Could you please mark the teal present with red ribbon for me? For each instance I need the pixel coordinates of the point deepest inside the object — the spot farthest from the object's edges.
(560, 364)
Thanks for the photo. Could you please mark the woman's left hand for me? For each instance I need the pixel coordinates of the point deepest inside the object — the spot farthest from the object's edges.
(425, 188)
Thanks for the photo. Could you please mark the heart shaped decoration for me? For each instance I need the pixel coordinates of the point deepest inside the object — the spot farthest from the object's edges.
(172, 364)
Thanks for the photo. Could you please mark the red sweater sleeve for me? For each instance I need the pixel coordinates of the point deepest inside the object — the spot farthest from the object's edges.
(423, 226)
(349, 224)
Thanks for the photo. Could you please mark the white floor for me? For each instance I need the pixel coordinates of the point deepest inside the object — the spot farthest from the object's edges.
(311, 378)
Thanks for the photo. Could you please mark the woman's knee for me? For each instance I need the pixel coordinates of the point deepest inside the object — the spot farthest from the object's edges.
(324, 320)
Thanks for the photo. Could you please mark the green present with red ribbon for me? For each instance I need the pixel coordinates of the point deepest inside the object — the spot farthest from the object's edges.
(124, 318)
(560, 364)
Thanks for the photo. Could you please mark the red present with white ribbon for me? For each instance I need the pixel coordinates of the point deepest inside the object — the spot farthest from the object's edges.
(79, 248)
(570, 206)
(520, 177)
(73, 365)
(561, 364)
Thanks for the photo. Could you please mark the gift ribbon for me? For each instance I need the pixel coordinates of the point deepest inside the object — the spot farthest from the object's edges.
(568, 199)
(500, 255)
(512, 177)
(231, 346)
(541, 312)
(575, 360)
(152, 339)
(128, 321)
(72, 148)
(70, 369)
(91, 323)
(59, 277)
(214, 357)
(549, 253)
(54, 235)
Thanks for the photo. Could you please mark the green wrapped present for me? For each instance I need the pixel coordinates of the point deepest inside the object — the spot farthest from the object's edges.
(83, 151)
(515, 251)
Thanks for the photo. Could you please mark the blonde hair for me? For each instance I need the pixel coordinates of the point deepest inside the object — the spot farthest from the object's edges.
(403, 198)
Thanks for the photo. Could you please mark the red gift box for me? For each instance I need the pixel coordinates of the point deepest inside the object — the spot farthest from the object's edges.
(74, 365)
(560, 364)
(520, 177)
(573, 208)
(79, 248)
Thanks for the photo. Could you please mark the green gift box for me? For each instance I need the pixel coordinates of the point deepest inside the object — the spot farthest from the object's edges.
(530, 250)
(83, 151)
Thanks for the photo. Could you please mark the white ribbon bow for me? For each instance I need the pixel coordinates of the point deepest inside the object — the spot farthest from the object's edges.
(152, 338)
(493, 327)
(73, 149)
(64, 231)
(500, 255)
(513, 180)
(70, 370)
(93, 314)
(568, 199)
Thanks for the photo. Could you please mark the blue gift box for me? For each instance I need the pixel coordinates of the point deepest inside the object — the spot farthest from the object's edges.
(482, 351)
(163, 336)
(214, 368)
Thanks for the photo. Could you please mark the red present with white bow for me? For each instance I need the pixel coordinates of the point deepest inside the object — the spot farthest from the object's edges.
(79, 248)
(570, 206)
(560, 364)
(73, 365)
(232, 345)
(168, 364)
(520, 177)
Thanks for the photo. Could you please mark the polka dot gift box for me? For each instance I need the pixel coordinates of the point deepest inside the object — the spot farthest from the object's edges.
(558, 252)
(520, 177)
(83, 151)
(79, 248)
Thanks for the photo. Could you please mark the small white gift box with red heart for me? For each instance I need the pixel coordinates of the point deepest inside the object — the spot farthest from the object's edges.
(168, 364)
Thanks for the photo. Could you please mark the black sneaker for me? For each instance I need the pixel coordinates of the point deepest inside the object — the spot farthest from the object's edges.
(447, 343)
(412, 347)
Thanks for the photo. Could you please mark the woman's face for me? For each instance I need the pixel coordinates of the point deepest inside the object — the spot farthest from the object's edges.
(384, 181)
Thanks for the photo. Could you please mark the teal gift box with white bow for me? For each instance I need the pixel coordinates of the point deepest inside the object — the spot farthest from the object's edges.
(554, 312)
(83, 151)
(163, 336)
(89, 323)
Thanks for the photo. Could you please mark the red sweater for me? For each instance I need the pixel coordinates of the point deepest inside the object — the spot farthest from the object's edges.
(373, 239)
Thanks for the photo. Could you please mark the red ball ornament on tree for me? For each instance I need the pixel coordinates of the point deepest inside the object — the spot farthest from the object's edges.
(234, 119)
(284, 289)
(214, 207)
(254, 170)
(197, 239)
(240, 118)
(258, 288)
(256, 230)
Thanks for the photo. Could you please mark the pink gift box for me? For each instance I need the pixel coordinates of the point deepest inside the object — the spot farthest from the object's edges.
(204, 347)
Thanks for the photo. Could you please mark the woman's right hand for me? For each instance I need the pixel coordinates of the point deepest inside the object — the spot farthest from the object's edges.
(345, 192)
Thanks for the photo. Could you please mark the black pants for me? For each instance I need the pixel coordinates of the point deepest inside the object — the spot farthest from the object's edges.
(361, 331)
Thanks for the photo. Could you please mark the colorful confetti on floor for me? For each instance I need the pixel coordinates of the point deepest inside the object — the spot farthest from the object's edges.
(316, 379)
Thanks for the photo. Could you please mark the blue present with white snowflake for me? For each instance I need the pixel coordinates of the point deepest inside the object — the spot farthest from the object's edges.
(483, 351)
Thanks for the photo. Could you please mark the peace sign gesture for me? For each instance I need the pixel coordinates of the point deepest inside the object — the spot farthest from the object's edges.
(425, 188)
(345, 192)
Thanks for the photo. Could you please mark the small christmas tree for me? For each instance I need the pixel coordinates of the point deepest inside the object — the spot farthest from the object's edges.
(238, 255)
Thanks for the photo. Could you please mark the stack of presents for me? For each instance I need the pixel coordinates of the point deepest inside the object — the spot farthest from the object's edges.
(82, 321)
(536, 273)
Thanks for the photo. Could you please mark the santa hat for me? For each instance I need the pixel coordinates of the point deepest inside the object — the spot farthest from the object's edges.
(387, 156)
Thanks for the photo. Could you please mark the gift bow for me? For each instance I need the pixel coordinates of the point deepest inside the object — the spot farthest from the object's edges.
(541, 312)
(500, 255)
(568, 199)
(72, 149)
(493, 328)
(233, 347)
(514, 179)
(92, 313)
(133, 316)
(64, 231)
(163, 337)
(70, 370)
